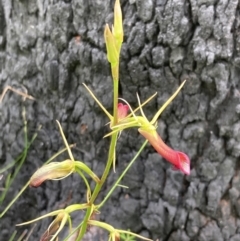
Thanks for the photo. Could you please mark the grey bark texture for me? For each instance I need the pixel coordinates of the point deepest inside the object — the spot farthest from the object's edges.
(51, 47)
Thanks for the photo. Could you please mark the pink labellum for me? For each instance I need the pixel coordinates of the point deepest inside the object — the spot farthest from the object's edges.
(122, 111)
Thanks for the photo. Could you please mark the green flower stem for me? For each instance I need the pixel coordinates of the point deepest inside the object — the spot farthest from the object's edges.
(12, 202)
(122, 175)
(83, 167)
(98, 187)
(111, 156)
(13, 236)
(115, 101)
(85, 223)
(86, 183)
(107, 168)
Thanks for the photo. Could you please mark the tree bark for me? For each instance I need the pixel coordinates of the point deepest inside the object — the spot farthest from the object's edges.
(50, 48)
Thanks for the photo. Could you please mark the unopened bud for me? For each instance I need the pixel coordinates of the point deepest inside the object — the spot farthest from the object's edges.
(53, 170)
(112, 53)
(118, 26)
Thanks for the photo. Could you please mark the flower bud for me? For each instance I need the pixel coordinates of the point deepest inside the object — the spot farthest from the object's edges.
(112, 53)
(51, 171)
(118, 26)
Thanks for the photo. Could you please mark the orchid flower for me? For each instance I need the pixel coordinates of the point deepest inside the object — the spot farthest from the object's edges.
(58, 171)
(55, 227)
(52, 171)
(179, 159)
(148, 129)
(62, 217)
(122, 110)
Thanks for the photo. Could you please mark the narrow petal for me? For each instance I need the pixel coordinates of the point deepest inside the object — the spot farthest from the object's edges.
(167, 103)
(99, 103)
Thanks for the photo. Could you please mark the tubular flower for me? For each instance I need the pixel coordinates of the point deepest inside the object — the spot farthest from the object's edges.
(179, 159)
(59, 170)
(148, 130)
(53, 170)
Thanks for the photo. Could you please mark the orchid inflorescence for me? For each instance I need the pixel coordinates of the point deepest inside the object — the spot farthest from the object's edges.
(123, 117)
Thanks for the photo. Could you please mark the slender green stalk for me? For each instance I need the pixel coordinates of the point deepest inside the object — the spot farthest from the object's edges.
(85, 223)
(99, 186)
(107, 168)
(86, 183)
(122, 175)
(13, 163)
(13, 201)
(13, 236)
(111, 156)
(23, 157)
(115, 101)
(112, 148)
